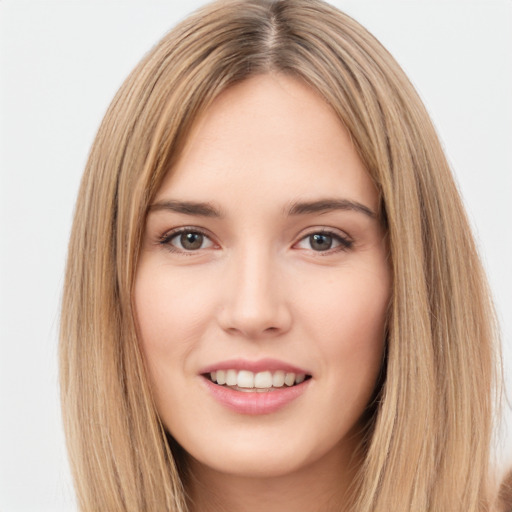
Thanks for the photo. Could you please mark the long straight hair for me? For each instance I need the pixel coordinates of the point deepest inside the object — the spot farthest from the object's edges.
(428, 438)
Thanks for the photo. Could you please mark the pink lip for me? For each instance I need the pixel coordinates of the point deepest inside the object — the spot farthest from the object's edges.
(260, 365)
(253, 403)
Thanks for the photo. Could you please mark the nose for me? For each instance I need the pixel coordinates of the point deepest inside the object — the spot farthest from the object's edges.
(254, 304)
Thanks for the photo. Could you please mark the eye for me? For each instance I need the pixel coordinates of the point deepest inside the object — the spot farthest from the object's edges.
(186, 240)
(324, 241)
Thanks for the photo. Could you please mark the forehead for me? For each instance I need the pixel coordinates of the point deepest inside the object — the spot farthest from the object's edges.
(269, 139)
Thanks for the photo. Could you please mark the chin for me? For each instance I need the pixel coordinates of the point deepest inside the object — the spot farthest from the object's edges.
(270, 455)
(254, 465)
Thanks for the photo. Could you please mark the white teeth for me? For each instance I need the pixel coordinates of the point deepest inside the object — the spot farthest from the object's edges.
(245, 379)
(231, 377)
(300, 378)
(278, 379)
(289, 379)
(260, 381)
(221, 377)
(263, 380)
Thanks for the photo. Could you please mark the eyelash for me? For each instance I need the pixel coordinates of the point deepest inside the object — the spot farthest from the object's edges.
(165, 240)
(344, 242)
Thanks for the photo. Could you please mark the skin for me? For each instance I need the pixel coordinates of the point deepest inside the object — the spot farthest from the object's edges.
(258, 286)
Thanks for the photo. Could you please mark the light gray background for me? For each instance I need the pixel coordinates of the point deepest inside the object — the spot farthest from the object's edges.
(61, 63)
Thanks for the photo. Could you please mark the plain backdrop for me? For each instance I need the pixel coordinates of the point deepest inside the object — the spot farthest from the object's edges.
(61, 63)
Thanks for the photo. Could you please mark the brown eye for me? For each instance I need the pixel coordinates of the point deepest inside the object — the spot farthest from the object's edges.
(186, 241)
(191, 241)
(320, 242)
(324, 241)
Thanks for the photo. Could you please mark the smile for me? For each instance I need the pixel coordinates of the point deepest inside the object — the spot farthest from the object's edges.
(263, 381)
(255, 387)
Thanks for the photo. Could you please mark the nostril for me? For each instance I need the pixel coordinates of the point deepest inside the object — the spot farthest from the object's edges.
(253, 311)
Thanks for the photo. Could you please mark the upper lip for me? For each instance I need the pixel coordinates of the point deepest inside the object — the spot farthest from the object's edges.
(256, 366)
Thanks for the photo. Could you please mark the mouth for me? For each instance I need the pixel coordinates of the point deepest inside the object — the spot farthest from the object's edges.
(247, 381)
(263, 386)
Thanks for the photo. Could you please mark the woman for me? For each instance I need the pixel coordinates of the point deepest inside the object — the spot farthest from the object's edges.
(273, 298)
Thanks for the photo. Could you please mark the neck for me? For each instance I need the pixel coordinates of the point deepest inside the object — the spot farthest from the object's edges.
(322, 486)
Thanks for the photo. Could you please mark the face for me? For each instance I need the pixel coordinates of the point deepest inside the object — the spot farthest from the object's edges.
(263, 284)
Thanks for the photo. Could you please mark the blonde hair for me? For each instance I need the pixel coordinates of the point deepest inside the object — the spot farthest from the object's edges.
(428, 439)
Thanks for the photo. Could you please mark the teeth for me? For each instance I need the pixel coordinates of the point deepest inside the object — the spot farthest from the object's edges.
(278, 379)
(289, 379)
(245, 379)
(231, 378)
(260, 381)
(263, 380)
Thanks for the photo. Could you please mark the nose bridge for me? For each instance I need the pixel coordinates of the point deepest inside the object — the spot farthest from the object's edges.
(254, 304)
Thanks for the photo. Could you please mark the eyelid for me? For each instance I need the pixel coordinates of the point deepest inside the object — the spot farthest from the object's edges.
(166, 238)
(344, 240)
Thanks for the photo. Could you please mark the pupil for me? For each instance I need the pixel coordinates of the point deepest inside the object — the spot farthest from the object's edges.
(321, 242)
(191, 241)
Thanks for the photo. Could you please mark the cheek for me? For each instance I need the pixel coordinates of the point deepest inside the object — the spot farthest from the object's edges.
(348, 321)
(161, 335)
(348, 310)
(354, 352)
(170, 308)
(171, 312)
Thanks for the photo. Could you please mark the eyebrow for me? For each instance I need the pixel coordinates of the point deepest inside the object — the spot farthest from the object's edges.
(327, 205)
(200, 209)
(205, 209)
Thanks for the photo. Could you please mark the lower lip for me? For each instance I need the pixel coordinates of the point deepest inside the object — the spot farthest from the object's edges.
(254, 402)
